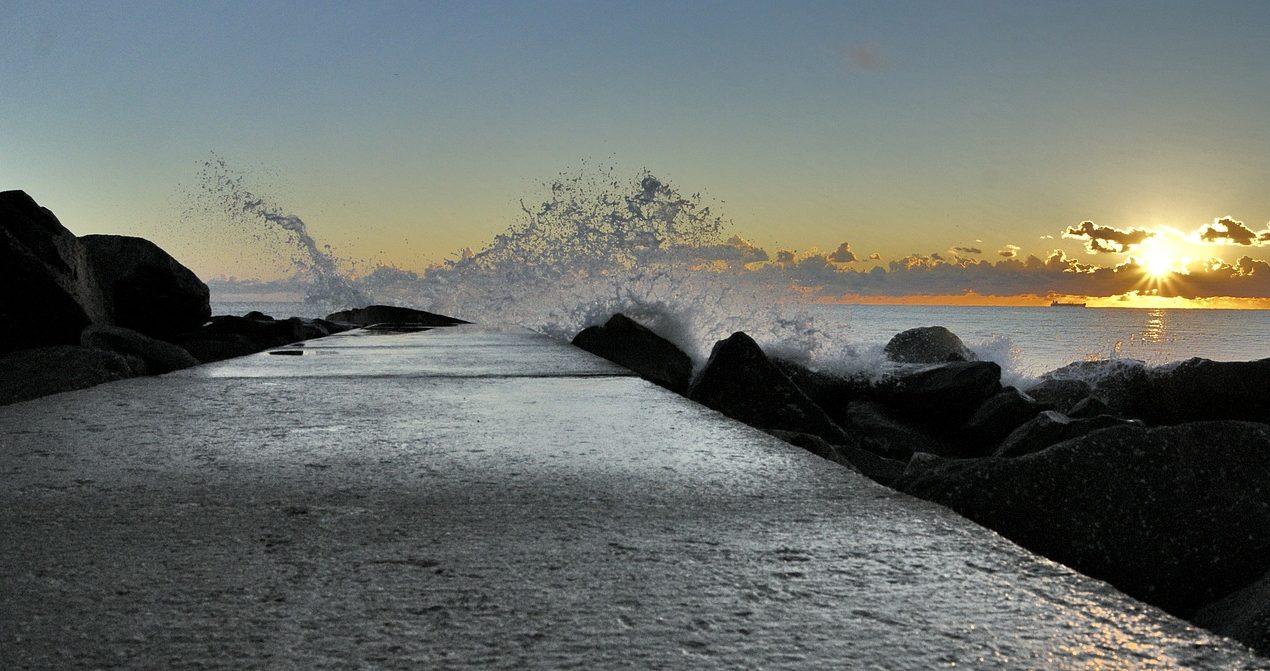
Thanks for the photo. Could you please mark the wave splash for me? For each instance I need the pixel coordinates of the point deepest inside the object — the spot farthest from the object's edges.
(223, 191)
(595, 245)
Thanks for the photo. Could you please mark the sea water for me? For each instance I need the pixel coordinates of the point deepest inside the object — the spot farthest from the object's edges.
(1026, 340)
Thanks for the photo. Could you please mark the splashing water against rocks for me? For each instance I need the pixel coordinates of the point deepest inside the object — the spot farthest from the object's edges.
(595, 245)
(223, 191)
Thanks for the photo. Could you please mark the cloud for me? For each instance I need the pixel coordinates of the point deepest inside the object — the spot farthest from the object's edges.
(736, 250)
(967, 250)
(875, 257)
(1228, 231)
(1009, 251)
(843, 254)
(866, 56)
(1105, 239)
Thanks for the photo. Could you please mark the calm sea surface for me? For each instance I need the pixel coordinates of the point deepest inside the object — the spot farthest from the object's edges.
(1029, 340)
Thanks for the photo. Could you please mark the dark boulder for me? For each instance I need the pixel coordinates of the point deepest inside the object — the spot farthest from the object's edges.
(391, 314)
(739, 381)
(209, 347)
(996, 418)
(264, 334)
(143, 288)
(1175, 516)
(880, 469)
(942, 396)
(1200, 389)
(1060, 394)
(833, 393)
(889, 437)
(630, 344)
(41, 371)
(927, 344)
(46, 284)
(1051, 428)
(1089, 407)
(1120, 383)
(258, 316)
(159, 356)
(1243, 615)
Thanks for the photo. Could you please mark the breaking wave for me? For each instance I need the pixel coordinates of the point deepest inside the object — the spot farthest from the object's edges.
(595, 245)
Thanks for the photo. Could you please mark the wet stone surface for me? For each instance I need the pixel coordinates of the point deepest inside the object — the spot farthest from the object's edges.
(237, 515)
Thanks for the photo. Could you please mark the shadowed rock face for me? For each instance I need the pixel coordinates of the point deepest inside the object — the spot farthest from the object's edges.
(41, 371)
(1176, 516)
(740, 382)
(1200, 389)
(389, 314)
(630, 344)
(1061, 394)
(144, 288)
(45, 282)
(160, 357)
(945, 395)
(928, 344)
(1243, 615)
(1051, 428)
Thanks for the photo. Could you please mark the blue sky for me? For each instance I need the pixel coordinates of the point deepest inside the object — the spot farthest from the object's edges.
(404, 131)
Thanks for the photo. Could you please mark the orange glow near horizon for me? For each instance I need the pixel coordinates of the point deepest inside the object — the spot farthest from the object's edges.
(1129, 300)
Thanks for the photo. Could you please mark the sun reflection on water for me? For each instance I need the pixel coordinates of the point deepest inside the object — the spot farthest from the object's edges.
(1156, 330)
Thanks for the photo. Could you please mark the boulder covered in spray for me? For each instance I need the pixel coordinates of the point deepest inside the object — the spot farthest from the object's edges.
(628, 343)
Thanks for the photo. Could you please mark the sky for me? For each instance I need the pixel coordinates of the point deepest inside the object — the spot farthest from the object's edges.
(403, 132)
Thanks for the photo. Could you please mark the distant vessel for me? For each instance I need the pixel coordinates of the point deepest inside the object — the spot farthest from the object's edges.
(1060, 304)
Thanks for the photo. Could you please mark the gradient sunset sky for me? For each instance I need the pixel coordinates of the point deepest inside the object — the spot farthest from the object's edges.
(402, 132)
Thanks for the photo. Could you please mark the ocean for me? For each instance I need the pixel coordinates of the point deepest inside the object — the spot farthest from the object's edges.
(1027, 341)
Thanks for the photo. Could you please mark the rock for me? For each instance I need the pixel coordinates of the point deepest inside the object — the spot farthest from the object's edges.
(1176, 516)
(927, 344)
(389, 314)
(1089, 407)
(1050, 428)
(877, 468)
(942, 396)
(143, 288)
(740, 382)
(264, 334)
(41, 371)
(330, 326)
(258, 316)
(1120, 383)
(209, 347)
(925, 461)
(996, 418)
(159, 357)
(1060, 394)
(831, 392)
(630, 344)
(46, 283)
(889, 437)
(1200, 389)
(1243, 615)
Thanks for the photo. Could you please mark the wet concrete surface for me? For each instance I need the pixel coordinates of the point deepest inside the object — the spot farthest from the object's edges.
(477, 498)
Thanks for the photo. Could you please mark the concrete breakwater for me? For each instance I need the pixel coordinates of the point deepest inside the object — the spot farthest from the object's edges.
(468, 497)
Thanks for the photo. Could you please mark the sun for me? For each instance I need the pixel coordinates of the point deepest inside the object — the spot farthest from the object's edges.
(1157, 259)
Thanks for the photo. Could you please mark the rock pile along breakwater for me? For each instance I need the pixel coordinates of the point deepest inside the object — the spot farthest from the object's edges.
(1154, 479)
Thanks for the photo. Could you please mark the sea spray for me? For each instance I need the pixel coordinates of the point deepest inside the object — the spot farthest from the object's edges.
(222, 192)
(592, 245)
